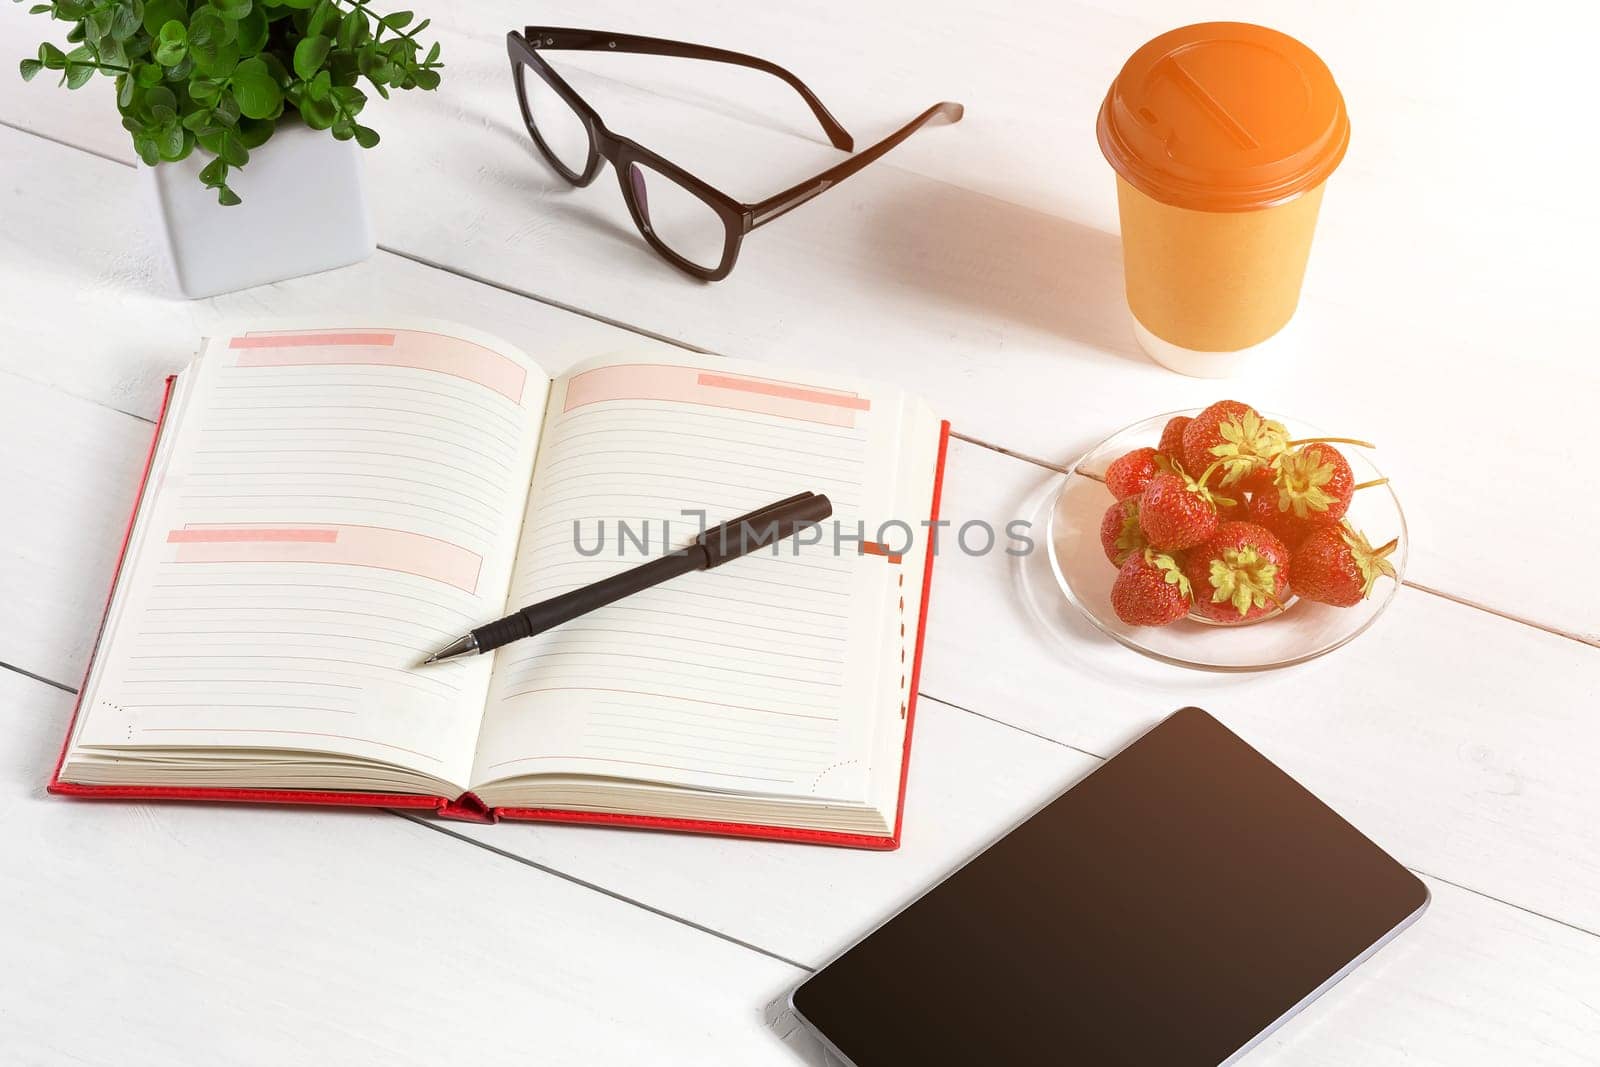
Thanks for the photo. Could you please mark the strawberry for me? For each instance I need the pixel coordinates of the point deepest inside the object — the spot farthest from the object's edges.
(1171, 444)
(1263, 511)
(1150, 590)
(1128, 475)
(1240, 573)
(1234, 434)
(1176, 511)
(1313, 482)
(1258, 481)
(1337, 565)
(1120, 534)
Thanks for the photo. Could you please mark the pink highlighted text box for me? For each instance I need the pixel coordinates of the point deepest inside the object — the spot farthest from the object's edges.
(690, 385)
(352, 546)
(412, 349)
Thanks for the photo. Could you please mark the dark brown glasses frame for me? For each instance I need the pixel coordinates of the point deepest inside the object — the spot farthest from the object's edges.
(738, 218)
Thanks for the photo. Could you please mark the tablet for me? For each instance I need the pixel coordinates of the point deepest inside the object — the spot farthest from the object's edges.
(1172, 908)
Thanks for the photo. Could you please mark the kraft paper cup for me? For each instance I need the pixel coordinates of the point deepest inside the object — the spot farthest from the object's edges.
(1223, 136)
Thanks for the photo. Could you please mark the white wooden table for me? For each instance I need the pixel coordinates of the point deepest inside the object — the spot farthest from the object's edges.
(1449, 314)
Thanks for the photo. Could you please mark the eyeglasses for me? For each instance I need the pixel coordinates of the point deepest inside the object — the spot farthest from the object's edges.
(696, 227)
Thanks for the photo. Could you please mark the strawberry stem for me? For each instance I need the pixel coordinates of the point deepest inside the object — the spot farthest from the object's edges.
(1206, 477)
(1388, 548)
(1331, 441)
(1369, 485)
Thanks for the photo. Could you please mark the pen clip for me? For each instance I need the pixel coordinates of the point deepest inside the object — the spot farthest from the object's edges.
(765, 526)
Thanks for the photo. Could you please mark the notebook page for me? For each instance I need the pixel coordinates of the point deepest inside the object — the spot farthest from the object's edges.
(332, 506)
(760, 676)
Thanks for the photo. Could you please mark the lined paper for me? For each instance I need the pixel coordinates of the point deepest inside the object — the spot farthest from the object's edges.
(761, 676)
(333, 508)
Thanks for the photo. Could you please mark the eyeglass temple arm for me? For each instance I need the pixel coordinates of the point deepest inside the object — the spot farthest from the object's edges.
(555, 37)
(791, 198)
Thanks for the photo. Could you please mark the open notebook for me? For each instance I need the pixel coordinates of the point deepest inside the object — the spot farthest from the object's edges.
(322, 508)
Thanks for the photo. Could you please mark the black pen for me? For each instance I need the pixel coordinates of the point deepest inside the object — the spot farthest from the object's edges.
(716, 546)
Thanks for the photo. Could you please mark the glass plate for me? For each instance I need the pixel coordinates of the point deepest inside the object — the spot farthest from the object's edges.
(1302, 630)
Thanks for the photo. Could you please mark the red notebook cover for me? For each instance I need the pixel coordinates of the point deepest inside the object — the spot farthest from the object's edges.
(469, 808)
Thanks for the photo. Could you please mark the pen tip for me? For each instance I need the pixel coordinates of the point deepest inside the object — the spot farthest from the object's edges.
(461, 646)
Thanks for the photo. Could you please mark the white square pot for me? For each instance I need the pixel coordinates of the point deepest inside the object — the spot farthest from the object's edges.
(305, 210)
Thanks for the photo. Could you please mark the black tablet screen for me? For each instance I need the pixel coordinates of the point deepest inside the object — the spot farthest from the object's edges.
(1166, 910)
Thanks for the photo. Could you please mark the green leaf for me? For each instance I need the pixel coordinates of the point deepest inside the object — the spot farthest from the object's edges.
(253, 31)
(196, 121)
(258, 93)
(172, 44)
(253, 133)
(78, 75)
(31, 69)
(321, 86)
(274, 64)
(51, 57)
(98, 24)
(227, 197)
(308, 56)
(205, 90)
(160, 101)
(145, 145)
(398, 20)
(233, 150)
(126, 19)
(206, 35)
(170, 142)
(366, 136)
(349, 99)
(433, 53)
(324, 17)
(157, 13)
(319, 114)
(427, 79)
(227, 109)
(232, 9)
(126, 87)
(353, 30)
(222, 65)
(38, 9)
(147, 74)
(214, 174)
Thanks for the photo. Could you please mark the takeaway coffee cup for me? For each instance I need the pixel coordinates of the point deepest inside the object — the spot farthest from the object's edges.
(1222, 135)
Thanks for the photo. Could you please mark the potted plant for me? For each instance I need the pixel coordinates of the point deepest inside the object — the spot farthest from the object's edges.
(203, 86)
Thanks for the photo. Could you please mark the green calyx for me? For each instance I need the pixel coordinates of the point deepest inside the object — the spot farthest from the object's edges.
(1199, 488)
(1249, 443)
(1371, 562)
(1300, 477)
(1244, 578)
(1171, 573)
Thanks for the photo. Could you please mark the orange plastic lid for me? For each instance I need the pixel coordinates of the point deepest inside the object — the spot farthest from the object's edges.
(1224, 116)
